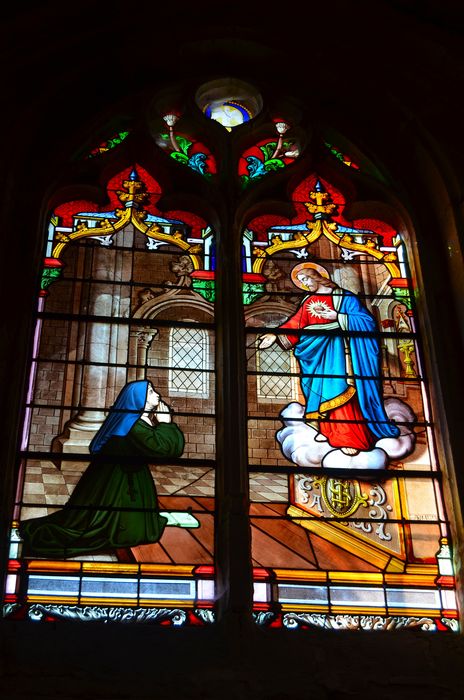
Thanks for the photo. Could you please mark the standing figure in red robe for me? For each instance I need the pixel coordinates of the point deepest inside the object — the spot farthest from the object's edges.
(340, 372)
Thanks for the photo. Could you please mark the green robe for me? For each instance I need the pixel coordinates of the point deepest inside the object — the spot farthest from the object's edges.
(114, 504)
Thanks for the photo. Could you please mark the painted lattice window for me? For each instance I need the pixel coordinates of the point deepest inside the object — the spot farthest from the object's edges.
(274, 378)
(188, 359)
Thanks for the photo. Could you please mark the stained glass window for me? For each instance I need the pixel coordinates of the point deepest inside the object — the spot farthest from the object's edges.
(185, 149)
(269, 155)
(229, 101)
(116, 499)
(108, 144)
(229, 113)
(349, 529)
(115, 511)
(342, 157)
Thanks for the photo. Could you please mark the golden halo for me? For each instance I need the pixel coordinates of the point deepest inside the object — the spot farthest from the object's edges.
(304, 266)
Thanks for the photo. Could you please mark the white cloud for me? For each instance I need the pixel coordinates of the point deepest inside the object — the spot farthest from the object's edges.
(298, 443)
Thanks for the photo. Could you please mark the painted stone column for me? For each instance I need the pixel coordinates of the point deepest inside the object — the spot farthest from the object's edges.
(145, 338)
(104, 345)
(140, 341)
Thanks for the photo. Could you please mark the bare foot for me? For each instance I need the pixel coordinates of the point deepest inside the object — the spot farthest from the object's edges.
(320, 438)
(349, 451)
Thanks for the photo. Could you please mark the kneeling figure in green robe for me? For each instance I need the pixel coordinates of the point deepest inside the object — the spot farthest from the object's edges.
(114, 504)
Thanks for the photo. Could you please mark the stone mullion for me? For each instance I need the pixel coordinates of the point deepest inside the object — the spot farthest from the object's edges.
(233, 557)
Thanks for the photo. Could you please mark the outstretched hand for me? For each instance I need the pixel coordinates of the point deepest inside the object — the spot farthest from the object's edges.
(265, 341)
(163, 413)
